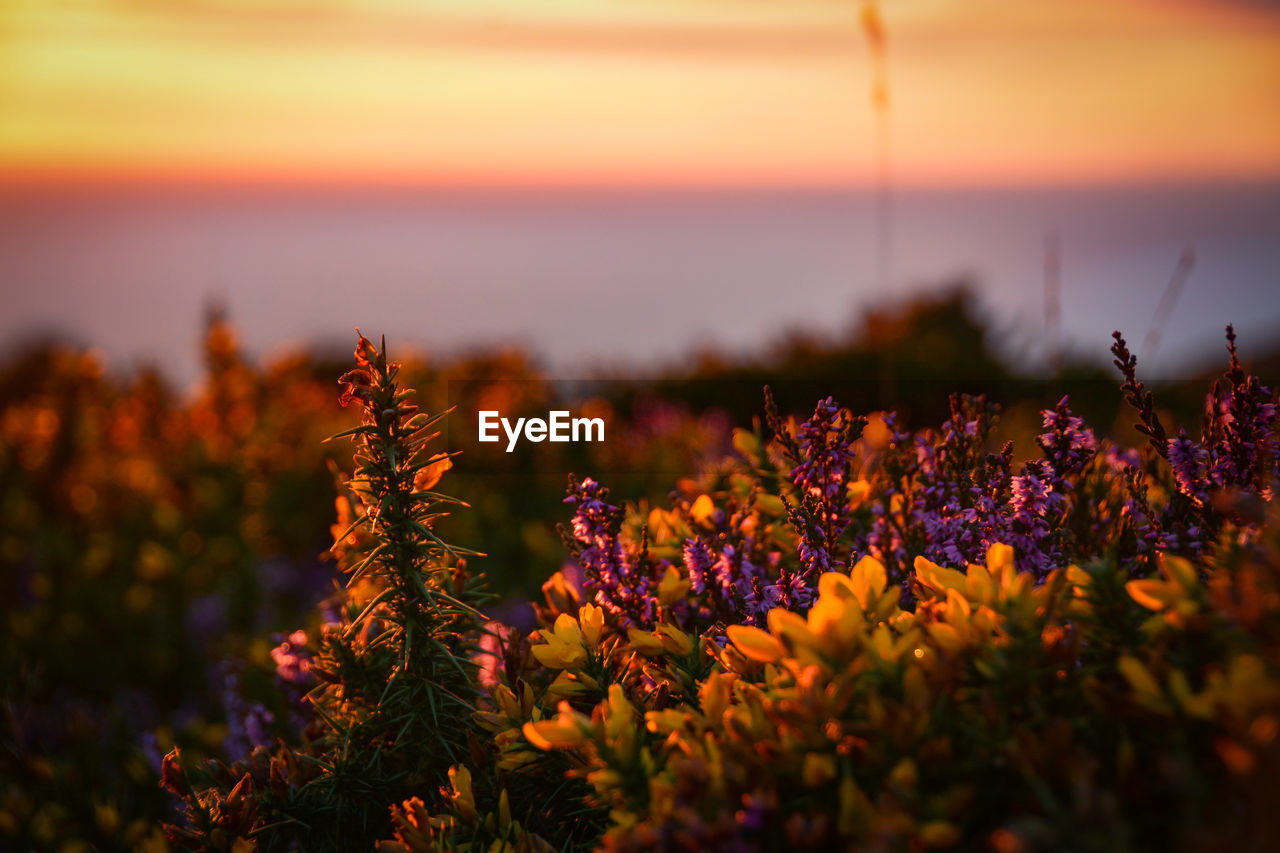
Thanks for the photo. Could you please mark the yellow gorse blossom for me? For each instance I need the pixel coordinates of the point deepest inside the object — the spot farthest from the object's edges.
(568, 728)
(464, 802)
(672, 588)
(591, 620)
(564, 645)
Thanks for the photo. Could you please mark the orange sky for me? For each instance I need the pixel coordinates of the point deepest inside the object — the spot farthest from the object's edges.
(637, 91)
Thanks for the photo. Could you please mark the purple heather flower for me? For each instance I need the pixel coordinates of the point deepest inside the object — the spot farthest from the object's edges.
(1120, 459)
(793, 591)
(1033, 494)
(1067, 443)
(733, 572)
(608, 571)
(824, 469)
(699, 562)
(247, 725)
(1188, 460)
(758, 599)
(822, 477)
(1038, 496)
(594, 526)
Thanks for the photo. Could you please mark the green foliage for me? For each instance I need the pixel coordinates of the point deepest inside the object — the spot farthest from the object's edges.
(397, 683)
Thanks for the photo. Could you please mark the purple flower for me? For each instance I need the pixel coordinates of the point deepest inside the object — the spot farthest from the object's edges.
(610, 574)
(733, 572)
(758, 599)
(248, 725)
(821, 477)
(1067, 443)
(1120, 459)
(698, 561)
(1188, 460)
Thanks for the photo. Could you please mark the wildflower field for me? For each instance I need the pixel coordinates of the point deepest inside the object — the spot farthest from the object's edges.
(833, 630)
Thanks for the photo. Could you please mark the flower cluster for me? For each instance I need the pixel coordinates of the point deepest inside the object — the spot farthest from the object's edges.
(828, 641)
(862, 723)
(824, 457)
(1235, 454)
(942, 494)
(615, 579)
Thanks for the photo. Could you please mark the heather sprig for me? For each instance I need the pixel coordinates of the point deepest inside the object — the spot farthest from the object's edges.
(821, 453)
(1237, 450)
(1067, 443)
(1137, 395)
(1241, 429)
(615, 579)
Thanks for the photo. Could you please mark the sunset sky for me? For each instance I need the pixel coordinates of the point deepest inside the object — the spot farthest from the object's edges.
(623, 92)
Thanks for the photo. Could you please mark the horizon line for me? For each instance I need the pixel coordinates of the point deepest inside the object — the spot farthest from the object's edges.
(232, 180)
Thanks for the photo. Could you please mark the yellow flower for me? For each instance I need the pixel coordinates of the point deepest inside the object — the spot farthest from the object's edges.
(702, 509)
(938, 579)
(567, 729)
(1246, 687)
(793, 628)
(674, 641)
(564, 648)
(858, 490)
(551, 734)
(665, 721)
(945, 637)
(836, 617)
(755, 644)
(939, 833)
(591, 618)
(672, 588)
(1000, 562)
(463, 800)
(644, 642)
(620, 722)
(869, 580)
(560, 594)
(571, 684)
(1179, 570)
(715, 695)
(1152, 593)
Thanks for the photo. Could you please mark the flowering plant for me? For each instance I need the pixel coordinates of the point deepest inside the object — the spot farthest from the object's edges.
(845, 635)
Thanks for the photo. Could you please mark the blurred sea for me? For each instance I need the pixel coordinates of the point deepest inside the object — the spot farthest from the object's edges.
(591, 280)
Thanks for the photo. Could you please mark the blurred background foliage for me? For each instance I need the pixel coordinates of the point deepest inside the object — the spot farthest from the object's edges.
(152, 540)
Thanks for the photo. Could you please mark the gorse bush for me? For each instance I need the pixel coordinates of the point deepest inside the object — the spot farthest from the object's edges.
(844, 635)
(143, 536)
(153, 543)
